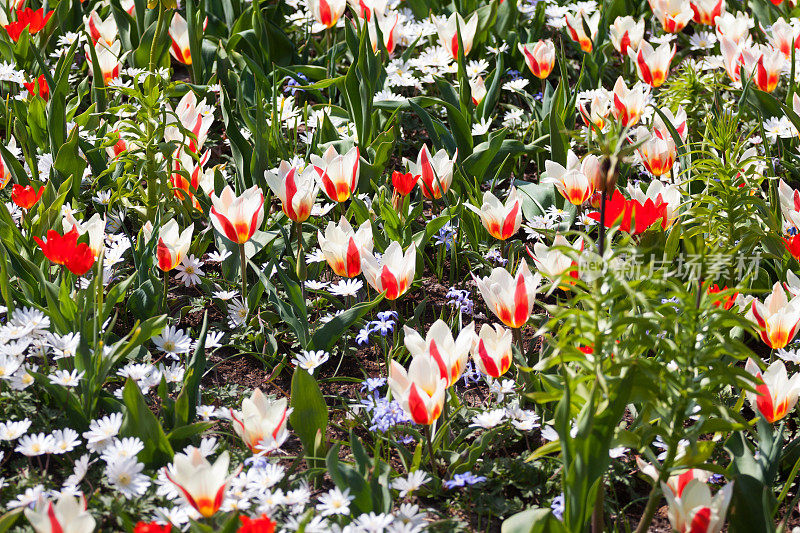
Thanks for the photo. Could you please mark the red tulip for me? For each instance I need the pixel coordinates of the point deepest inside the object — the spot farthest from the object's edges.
(793, 245)
(65, 250)
(625, 211)
(152, 527)
(35, 21)
(262, 524)
(39, 87)
(26, 197)
(726, 302)
(404, 183)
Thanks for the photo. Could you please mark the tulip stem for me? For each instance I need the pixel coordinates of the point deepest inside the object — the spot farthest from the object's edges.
(166, 290)
(429, 440)
(520, 341)
(243, 260)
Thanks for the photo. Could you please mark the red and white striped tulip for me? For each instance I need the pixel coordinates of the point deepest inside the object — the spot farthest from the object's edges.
(5, 170)
(95, 228)
(790, 203)
(420, 390)
(262, 421)
(674, 15)
(477, 89)
(768, 68)
(108, 59)
(629, 104)
(575, 28)
(678, 121)
(393, 272)
(237, 217)
(448, 33)
(734, 27)
(510, 298)
(540, 57)
(776, 394)
(491, 350)
(173, 245)
(777, 317)
(659, 192)
(571, 182)
(390, 29)
(200, 483)
(179, 35)
(338, 173)
(784, 36)
(695, 510)
(657, 150)
(67, 515)
(626, 33)
(450, 355)
(327, 12)
(297, 190)
(555, 264)
(183, 164)
(653, 64)
(676, 482)
(705, 11)
(500, 220)
(436, 172)
(98, 28)
(196, 117)
(365, 9)
(344, 248)
(594, 107)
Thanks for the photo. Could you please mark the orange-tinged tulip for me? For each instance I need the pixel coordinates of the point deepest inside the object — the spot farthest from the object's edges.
(99, 29)
(436, 171)
(450, 355)
(539, 57)
(510, 298)
(420, 390)
(575, 27)
(296, 190)
(769, 68)
(477, 89)
(575, 182)
(344, 248)
(394, 272)
(626, 33)
(776, 394)
(338, 173)
(695, 510)
(629, 104)
(196, 117)
(173, 245)
(777, 317)
(389, 29)
(674, 15)
(201, 484)
(653, 64)
(705, 11)
(784, 36)
(491, 350)
(448, 33)
(556, 264)
(500, 220)
(237, 217)
(261, 423)
(108, 59)
(594, 107)
(327, 12)
(657, 151)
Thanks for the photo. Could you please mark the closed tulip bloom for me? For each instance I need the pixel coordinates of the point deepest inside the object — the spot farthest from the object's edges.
(436, 172)
(789, 198)
(491, 350)
(296, 190)
(420, 390)
(571, 182)
(575, 27)
(95, 227)
(653, 64)
(629, 104)
(594, 107)
(448, 34)
(344, 248)
(450, 355)
(777, 317)
(784, 36)
(540, 57)
(658, 151)
(500, 220)
(327, 12)
(776, 394)
(38, 87)
(510, 298)
(477, 89)
(99, 29)
(674, 15)
(734, 27)
(173, 245)
(705, 11)
(194, 116)
(695, 510)
(108, 59)
(261, 421)
(67, 515)
(201, 484)
(26, 196)
(179, 34)
(390, 30)
(556, 264)
(338, 173)
(678, 121)
(394, 272)
(366, 9)
(626, 33)
(237, 217)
